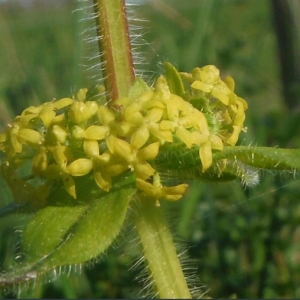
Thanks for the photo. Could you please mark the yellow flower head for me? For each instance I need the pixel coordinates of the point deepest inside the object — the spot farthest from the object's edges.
(74, 137)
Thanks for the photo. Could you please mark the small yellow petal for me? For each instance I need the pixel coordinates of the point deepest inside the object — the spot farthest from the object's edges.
(245, 105)
(77, 132)
(216, 142)
(81, 95)
(185, 136)
(59, 120)
(69, 185)
(25, 119)
(187, 76)
(40, 161)
(79, 112)
(154, 114)
(173, 107)
(140, 137)
(132, 114)
(151, 104)
(92, 107)
(29, 136)
(240, 115)
(124, 128)
(226, 117)
(162, 89)
(91, 148)
(209, 74)
(174, 193)
(205, 155)
(95, 132)
(103, 180)
(80, 167)
(167, 125)
(149, 152)
(235, 135)
(102, 160)
(199, 85)
(14, 141)
(31, 110)
(229, 82)
(198, 138)
(201, 123)
(60, 133)
(190, 120)
(116, 169)
(105, 115)
(119, 147)
(162, 135)
(145, 186)
(59, 155)
(62, 103)
(143, 170)
(221, 96)
(47, 116)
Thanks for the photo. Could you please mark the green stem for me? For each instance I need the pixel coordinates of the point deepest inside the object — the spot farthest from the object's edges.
(114, 46)
(160, 252)
(116, 58)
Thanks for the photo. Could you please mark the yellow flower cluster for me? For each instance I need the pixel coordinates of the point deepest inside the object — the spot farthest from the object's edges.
(74, 137)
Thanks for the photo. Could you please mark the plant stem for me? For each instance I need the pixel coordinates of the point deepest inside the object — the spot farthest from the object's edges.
(114, 46)
(160, 252)
(116, 59)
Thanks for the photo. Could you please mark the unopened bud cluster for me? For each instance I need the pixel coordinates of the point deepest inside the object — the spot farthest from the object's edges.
(76, 136)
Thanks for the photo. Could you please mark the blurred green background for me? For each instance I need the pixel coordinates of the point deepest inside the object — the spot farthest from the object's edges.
(244, 243)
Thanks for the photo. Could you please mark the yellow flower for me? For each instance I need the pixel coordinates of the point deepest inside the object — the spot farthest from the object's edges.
(207, 79)
(157, 192)
(136, 159)
(61, 155)
(77, 137)
(144, 118)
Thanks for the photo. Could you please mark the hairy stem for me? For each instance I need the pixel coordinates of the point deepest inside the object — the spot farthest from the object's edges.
(114, 46)
(116, 59)
(160, 252)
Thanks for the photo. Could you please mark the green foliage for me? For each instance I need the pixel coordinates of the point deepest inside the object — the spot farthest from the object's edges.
(82, 233)
(72, 233)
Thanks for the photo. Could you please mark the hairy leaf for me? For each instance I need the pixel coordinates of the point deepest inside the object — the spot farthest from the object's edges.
(65, 235)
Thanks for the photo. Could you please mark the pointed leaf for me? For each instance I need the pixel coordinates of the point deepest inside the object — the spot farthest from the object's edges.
(59, 236)
(174, 80)
(66, 235)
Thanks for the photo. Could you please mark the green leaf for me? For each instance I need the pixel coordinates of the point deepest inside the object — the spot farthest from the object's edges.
(48, 229)
(59, 236)
(66, 235)
(174, 80)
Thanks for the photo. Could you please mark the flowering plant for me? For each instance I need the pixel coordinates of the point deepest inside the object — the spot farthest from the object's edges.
(85, 160)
